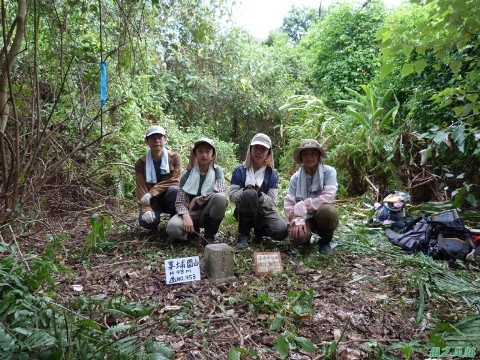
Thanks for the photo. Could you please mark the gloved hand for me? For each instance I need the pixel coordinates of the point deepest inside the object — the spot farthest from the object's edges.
(145, 200)
(148, 217)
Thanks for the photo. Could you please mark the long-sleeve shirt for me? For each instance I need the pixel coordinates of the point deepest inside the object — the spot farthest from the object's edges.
(183, 199)
(173, 178)
(267, 193)
(298, 211)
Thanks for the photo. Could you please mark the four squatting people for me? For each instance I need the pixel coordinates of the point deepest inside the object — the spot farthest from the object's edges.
(197, 199)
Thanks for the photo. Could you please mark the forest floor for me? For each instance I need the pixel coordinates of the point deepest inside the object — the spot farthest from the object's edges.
(365, 301)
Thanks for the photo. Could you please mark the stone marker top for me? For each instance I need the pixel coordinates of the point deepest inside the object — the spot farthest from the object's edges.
(219, 264)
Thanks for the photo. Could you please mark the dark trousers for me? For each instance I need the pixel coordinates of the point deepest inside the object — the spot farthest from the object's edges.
(250, 214)
(163, 203)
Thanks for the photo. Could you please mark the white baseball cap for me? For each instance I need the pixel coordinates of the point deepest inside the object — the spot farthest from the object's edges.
(155, 129)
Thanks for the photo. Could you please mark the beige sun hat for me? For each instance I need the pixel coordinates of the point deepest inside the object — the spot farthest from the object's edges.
(308, 144)
(263, 140)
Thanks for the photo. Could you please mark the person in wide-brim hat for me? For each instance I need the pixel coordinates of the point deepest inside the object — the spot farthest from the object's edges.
(157, 175)
(254, 191)
(308, 144)
(201, 200)
(311, 193)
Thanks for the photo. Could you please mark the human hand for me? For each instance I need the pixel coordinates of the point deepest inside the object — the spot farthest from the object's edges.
(145, 200)
(298, 230)
(187, 223)
(148, 217)
(193, 203)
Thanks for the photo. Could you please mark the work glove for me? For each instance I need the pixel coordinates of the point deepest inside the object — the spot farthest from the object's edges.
(148, 217)
(145, 200)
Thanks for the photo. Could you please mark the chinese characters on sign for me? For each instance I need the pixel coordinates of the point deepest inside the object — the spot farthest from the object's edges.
(182, 270)
(268, 263)
(448, 352)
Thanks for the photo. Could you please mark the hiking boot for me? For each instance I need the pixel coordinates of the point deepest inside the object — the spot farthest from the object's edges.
(325, 249)
(242, 242)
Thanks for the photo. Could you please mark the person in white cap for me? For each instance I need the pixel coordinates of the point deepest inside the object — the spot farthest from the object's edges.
(311, 194)
(157, 175)
(254, 191)
(201, 200)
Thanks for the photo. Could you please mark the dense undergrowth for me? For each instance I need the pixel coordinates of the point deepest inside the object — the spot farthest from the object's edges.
(55, 305)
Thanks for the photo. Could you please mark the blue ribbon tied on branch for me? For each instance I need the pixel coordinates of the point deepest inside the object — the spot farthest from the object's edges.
(103, 83)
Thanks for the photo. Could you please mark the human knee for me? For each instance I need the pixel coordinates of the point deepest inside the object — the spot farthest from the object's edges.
(171, 193)
(175, 227)
(326, 217)
(280, 233)
(249, 195)
(219, 206)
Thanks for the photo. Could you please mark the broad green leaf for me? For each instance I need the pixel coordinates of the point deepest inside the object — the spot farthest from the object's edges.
(233, 354)
(305, 344)
(89, 324)
(458, 110)
(386, 70)
(472, 200)
(455, 66)
(407, 69)
(420, 65)
(458, 136)
(6, 341)
(440, 137)
(472, 97)
(276, 323)
(425, 154)
(407, 49)
(282, 346)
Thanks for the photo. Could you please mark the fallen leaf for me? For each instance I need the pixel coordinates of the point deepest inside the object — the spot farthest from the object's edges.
(77, 287)
(170, 308)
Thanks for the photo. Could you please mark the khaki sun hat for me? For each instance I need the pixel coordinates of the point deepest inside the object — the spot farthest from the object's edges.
(261, 139)
(308, 144)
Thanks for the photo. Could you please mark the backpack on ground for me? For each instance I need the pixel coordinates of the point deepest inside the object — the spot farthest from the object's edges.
(449, 240)
(415, 237)
(446, 240)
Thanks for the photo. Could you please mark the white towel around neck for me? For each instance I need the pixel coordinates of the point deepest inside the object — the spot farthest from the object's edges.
(255, 177)
(193, 182)
(303, 192)
(150, 173)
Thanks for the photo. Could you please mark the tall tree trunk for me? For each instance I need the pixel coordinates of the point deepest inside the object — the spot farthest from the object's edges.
(12, 42)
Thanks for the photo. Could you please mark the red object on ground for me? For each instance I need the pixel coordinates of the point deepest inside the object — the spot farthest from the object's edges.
(475, 236)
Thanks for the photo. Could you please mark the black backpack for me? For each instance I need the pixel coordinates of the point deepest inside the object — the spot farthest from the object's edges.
(415, 236)
(447, 240)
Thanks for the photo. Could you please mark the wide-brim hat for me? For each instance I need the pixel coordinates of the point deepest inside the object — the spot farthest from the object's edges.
(308, 144)
(155, 129)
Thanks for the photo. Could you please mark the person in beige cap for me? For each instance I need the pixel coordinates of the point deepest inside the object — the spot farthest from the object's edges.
(311, 193)
(254, 191)
(201, 200)
(157, 175)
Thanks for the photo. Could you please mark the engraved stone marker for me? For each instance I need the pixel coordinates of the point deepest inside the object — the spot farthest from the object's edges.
(219, 263)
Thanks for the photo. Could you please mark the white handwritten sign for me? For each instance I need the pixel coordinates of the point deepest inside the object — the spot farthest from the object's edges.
(268, 263)
(182, 270)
